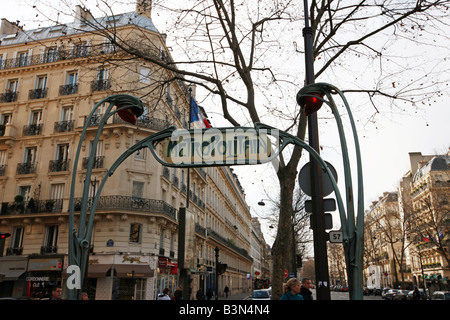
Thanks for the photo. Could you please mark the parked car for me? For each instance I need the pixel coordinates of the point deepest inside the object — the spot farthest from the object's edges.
(263, 294)
(440, 295)
(383, 292)
(401, 295)
(409, 296)
(390, 294)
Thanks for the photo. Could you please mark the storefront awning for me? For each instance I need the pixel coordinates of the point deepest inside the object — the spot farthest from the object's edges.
(98, 270)
(12, 267)
(131, 270)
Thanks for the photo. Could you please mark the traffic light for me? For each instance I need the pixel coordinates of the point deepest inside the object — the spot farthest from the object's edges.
(4, 235)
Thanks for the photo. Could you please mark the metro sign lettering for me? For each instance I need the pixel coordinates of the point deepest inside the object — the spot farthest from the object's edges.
(217, 147)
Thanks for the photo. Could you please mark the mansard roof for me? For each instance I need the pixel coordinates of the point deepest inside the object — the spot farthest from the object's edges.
(77, 27)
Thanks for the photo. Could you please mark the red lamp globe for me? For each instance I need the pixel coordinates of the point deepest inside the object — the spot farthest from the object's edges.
(311, 103)
(127, 115)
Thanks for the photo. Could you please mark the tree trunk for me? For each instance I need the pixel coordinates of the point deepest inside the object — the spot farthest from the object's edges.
(283, 247)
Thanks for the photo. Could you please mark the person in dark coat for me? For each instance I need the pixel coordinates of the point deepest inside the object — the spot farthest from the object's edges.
(304, 290)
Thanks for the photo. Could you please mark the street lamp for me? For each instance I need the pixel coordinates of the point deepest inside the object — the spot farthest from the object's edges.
(129, 108)
(262, 203)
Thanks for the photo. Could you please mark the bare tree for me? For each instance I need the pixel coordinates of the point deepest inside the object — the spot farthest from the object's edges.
(244, 58)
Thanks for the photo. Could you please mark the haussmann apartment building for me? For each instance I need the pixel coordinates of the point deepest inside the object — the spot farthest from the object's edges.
(50, 80)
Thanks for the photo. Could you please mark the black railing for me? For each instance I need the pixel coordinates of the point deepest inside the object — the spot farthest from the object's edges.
(31, 206)
(49, 249)
(68, 89)
(8, 96)
(37, 93)
(58, 165)
(32, 130)
(64, 126)
(26, 168)
(100, 85)
(98, 162)
(131, 204)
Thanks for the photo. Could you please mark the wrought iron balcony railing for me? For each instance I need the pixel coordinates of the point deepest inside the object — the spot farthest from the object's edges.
(64, 126)
(59, 165)
(131, 204)
(68, 89)
(31, 206)
(98, 162)
(37, 93)
(26, 168)
(8, 96)
(100, 85)
(32, 130)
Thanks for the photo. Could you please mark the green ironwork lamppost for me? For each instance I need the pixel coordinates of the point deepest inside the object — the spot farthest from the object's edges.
(129, 108)
(352, 226)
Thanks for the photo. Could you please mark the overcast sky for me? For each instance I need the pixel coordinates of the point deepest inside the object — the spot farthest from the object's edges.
(384, 149)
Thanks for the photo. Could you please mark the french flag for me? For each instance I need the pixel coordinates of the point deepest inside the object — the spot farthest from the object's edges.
(197, 115)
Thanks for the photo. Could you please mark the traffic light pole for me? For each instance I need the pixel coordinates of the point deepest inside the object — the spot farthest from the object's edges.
(318, 217)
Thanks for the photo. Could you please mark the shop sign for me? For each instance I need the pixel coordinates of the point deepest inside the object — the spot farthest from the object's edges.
(50, 264)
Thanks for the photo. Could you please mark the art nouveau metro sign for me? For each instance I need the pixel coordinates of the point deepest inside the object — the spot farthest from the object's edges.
(216, 147)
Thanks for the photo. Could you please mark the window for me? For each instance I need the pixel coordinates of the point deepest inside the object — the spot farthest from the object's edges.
(51, 55)
(67, 113)
(30, 155)
(41, 82)
(25, 192)
(51, 239)
(17, 240)
(135, 233)
(22, 59)
(36, 117)
(12, 85)
(81, 50)
(6, 118)
(57, 191)
(138, 189)
(144, 75)
(72, 78)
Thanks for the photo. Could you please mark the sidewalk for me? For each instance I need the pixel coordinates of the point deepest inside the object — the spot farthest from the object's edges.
(239, 296)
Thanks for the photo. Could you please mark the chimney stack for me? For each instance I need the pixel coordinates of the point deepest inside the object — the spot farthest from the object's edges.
(144, 8)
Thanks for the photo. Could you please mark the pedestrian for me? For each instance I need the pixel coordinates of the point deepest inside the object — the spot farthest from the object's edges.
(56, 293)
(200, 295)
(164, 295)
(304, 290)
(178, 294)
(209, 294)
(84, 296)
(416, 293)
(226, 290)
(291, 290)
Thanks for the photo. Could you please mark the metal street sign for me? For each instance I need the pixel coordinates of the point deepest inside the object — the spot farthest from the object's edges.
(304, 178)
(335, 236)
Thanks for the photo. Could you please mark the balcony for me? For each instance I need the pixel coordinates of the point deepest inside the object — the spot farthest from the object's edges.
(98, 162)
(131, 204)
(32, 130)
(37, 93)
(26, 168)
(58, 165)
(64, 126)
(49, 249)
(100, 85)
(8, 96)
(68, 89)
(31, 206)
